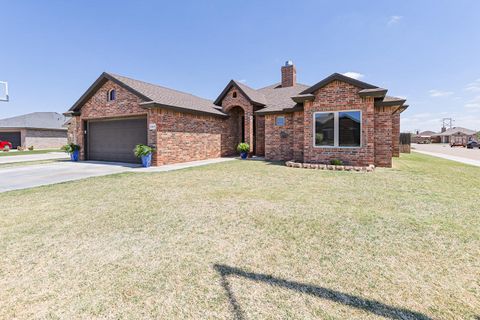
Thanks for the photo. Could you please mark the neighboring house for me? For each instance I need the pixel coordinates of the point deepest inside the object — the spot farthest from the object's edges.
(424, 137)
(42, 130)
(337, 118)
(457, 135)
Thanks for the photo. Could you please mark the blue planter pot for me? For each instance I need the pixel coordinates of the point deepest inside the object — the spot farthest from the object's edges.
(74, 155)
(147, 160)
(244, 155)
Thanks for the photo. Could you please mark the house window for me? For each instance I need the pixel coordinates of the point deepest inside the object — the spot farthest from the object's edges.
(338, 129)
(112, 95)
(234, 94)
(280, 121)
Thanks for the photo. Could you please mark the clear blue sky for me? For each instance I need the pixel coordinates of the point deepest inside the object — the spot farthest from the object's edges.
(427, 51)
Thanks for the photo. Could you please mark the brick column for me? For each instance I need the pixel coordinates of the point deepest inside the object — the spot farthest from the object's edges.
(249, 130)
(154, 117)
(383, 137)
(396, 134)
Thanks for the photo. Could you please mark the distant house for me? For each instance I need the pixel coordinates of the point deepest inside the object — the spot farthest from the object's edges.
(457, 135)
(424, 137)
(42, 130)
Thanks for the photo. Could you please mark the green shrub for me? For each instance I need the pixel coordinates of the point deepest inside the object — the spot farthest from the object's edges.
(336, 162)
(142, 150)
(30, 148)
(68, 148)
(243, 147)
(6, 148)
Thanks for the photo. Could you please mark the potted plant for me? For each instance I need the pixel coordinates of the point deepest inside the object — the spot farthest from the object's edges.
(144, 152)
(72, 149)
(243, 148)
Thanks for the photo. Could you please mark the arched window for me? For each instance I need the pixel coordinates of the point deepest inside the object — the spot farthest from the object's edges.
(234, 94)
(112, 95)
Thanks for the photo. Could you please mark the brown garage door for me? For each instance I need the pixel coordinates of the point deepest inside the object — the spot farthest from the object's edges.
(114, 140)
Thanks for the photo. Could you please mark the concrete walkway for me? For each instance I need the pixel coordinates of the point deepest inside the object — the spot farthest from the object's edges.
(450, 157)
(34, 157)
(44, 174)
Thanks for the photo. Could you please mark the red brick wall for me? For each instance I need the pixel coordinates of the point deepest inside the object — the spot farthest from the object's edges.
(298, 136)
(283, 143)
(383, 136)
(260, 136)
(183, 137)
(337, 96)
(396, 134)
(278, 139)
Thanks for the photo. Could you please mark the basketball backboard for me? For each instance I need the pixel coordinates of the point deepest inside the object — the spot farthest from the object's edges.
(3, 91)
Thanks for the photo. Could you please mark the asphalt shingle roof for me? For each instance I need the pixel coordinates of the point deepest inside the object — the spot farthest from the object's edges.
(169, 97)
(279, 98)
(457, 129)
(273, 98)
(38, 120)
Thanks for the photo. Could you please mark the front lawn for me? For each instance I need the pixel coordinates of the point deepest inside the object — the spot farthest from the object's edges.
(247, 240)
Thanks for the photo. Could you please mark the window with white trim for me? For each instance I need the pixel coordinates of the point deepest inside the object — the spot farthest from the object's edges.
(338, 129)
(280, 121)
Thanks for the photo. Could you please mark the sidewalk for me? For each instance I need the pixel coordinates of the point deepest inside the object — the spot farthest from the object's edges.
(450, 157)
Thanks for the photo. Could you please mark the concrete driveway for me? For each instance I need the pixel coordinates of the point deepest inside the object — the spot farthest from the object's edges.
(44, 174)
(34, 157)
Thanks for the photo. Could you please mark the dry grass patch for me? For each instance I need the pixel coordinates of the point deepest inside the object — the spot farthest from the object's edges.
(246, 239)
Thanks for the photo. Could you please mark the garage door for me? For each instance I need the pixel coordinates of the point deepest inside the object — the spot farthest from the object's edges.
(13, 137)
(114, 140)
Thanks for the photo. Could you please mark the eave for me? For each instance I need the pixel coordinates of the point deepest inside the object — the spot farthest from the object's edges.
(303, 97)
(152, 104)
(376, 93)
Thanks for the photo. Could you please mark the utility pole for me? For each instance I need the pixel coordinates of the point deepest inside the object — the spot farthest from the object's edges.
(447, 124)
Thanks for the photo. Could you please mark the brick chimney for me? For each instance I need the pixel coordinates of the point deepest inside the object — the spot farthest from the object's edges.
(289, 74)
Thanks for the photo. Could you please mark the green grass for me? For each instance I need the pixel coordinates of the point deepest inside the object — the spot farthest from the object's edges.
(247, 239)
(21, 153)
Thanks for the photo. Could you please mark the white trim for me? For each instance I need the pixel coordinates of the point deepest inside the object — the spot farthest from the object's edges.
(108, 95)
(336, 130)
(284, 121)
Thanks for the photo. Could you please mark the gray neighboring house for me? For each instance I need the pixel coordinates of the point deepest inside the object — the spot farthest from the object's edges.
(457, 135)
(42, 130)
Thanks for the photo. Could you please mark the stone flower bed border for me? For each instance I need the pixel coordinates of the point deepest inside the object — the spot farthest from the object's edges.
(293, 164)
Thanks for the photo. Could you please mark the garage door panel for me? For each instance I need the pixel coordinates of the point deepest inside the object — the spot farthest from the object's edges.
(115, 140)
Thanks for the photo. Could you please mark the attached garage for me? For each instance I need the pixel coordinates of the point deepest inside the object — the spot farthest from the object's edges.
(15, 138)
(114, 140)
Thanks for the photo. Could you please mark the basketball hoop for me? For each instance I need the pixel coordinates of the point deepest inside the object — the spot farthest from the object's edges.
(4, 91)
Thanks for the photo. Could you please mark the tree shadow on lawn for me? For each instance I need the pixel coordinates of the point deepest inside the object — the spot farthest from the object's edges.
(372, 306)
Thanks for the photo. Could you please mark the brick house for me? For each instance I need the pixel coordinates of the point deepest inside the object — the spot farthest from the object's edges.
(40, 130)
(337, 118)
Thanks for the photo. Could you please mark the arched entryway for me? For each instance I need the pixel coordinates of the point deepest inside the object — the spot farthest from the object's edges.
(237, 125)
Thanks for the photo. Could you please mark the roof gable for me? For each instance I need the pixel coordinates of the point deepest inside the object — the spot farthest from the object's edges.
(338, 77)
(255, 97)
(153, 96)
